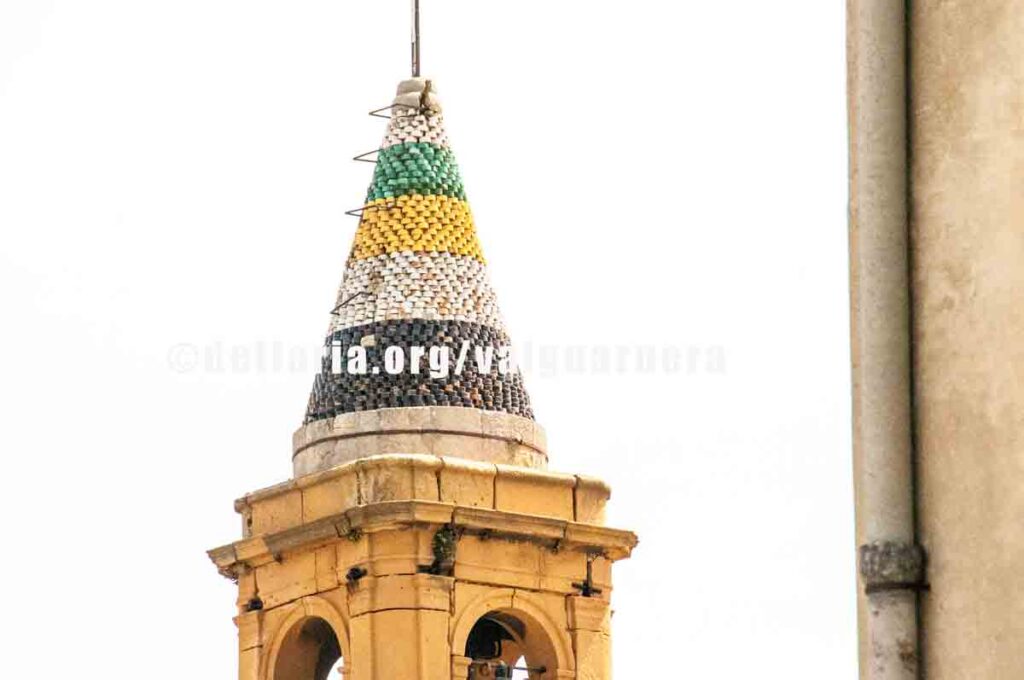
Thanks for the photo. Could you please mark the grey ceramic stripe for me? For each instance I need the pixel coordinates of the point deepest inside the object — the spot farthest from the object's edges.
(402, 286)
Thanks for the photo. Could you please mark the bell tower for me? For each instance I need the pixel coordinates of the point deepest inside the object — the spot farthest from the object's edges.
(422, 536)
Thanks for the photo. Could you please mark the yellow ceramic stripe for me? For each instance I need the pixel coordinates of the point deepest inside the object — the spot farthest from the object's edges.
(421, 224)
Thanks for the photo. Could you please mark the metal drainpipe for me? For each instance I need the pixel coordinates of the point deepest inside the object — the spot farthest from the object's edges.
(890, 561)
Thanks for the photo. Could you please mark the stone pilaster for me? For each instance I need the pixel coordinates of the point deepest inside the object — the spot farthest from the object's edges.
(590, 626)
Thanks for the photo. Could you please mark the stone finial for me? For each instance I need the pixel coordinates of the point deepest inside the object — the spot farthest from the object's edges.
(418, 93)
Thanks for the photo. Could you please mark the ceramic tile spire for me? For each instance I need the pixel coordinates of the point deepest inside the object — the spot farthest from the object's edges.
(416, 277)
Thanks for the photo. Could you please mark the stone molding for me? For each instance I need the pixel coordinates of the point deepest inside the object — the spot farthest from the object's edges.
(489, 436)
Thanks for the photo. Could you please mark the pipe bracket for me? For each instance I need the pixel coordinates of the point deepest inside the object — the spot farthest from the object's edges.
(892, 565)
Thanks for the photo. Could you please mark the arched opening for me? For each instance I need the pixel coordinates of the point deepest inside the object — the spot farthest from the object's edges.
(510, 645)
(310, 651)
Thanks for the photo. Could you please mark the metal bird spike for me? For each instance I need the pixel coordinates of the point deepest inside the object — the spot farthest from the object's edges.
(415, 38)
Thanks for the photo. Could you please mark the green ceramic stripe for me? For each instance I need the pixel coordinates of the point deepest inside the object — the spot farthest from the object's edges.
(416, 168)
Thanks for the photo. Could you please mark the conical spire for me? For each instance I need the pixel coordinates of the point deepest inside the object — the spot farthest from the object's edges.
(416, 278)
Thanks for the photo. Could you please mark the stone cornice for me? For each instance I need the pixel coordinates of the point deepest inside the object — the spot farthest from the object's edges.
(237, 558)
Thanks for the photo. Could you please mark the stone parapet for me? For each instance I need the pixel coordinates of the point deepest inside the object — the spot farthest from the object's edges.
(462, 484)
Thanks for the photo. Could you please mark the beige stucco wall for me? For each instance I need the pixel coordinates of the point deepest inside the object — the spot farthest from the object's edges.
(967, 131)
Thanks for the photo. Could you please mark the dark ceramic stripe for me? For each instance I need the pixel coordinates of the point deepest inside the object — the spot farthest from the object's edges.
(346, 393)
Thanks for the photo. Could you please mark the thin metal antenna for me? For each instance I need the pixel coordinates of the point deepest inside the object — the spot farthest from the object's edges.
(415, 38)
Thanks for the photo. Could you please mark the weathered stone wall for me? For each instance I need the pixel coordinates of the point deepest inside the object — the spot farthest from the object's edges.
(967, 142)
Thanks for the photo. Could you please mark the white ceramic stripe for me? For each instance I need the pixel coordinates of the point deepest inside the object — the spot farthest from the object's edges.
(415, 128)
(432, 286)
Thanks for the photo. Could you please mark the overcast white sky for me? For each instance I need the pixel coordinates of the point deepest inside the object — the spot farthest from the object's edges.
(643, 174)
